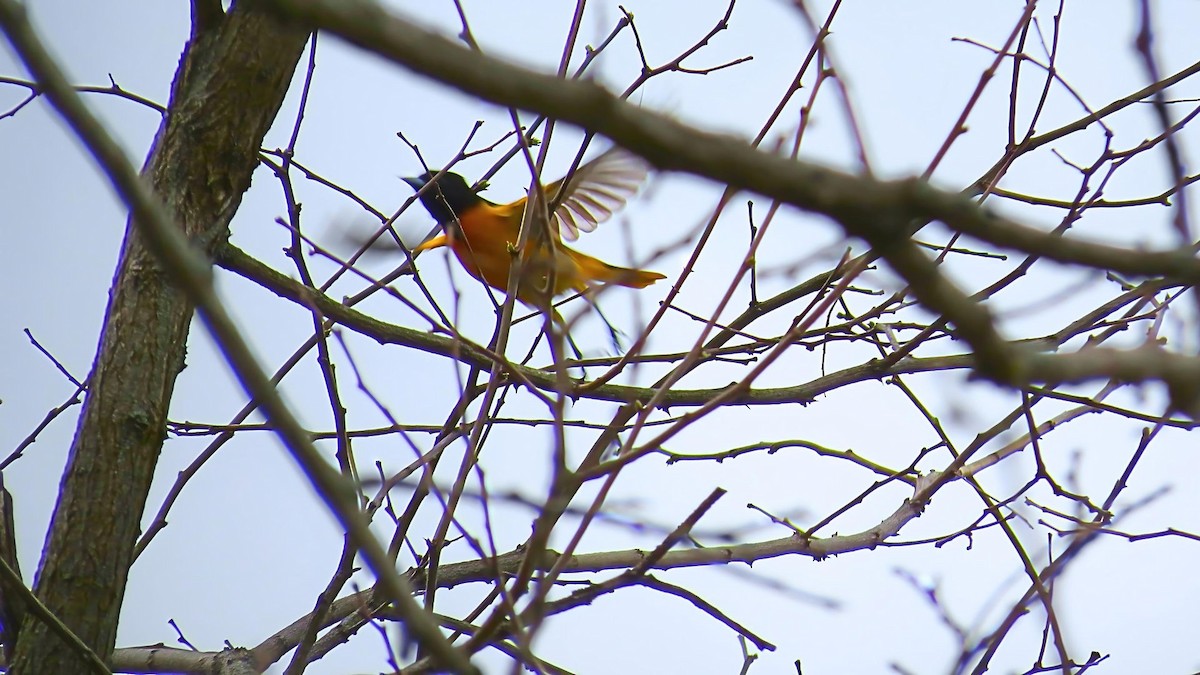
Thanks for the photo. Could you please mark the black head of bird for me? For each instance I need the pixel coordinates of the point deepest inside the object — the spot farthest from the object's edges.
(447, 196)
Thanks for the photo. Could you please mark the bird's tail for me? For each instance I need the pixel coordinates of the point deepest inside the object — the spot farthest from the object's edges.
(593, 270)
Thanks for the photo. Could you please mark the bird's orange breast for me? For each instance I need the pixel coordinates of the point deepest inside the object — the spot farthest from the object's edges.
(487, 234)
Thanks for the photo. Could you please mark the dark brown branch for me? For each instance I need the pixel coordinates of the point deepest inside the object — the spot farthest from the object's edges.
(154, 240)
(851, 200)
(235, 260)
(1134, 365)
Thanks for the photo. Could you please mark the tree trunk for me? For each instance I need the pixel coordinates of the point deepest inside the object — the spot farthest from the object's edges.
(228, 88)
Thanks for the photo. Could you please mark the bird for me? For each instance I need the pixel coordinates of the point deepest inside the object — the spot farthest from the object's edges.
(484, 235)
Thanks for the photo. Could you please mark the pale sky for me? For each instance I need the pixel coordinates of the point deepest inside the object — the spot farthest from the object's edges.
(249, 546)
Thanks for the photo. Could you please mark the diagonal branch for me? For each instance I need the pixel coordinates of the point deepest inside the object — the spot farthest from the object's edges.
(154, 243)
(855, 202)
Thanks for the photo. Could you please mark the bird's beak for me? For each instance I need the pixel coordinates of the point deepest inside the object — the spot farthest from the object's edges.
(414, 183)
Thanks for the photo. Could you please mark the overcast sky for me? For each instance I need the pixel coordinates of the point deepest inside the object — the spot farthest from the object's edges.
(249, 546)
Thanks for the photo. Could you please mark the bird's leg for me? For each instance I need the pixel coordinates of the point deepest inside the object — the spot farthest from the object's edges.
(561, 323)
(614, 333)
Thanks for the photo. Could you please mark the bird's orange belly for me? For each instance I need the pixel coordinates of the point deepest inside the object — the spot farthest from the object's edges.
(491, 262)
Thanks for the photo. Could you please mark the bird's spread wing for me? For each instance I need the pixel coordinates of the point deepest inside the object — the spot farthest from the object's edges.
(595, 191)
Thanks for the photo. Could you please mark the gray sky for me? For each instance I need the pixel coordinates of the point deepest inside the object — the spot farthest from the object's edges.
(249, 546)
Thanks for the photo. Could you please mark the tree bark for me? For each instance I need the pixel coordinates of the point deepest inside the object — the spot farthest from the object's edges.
(231, 81)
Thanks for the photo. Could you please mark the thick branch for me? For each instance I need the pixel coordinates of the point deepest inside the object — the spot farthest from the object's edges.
(237, 261)
(1145, 364)
(857, 203)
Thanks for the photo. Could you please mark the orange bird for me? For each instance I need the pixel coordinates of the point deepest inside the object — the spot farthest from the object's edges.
(484, 234)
